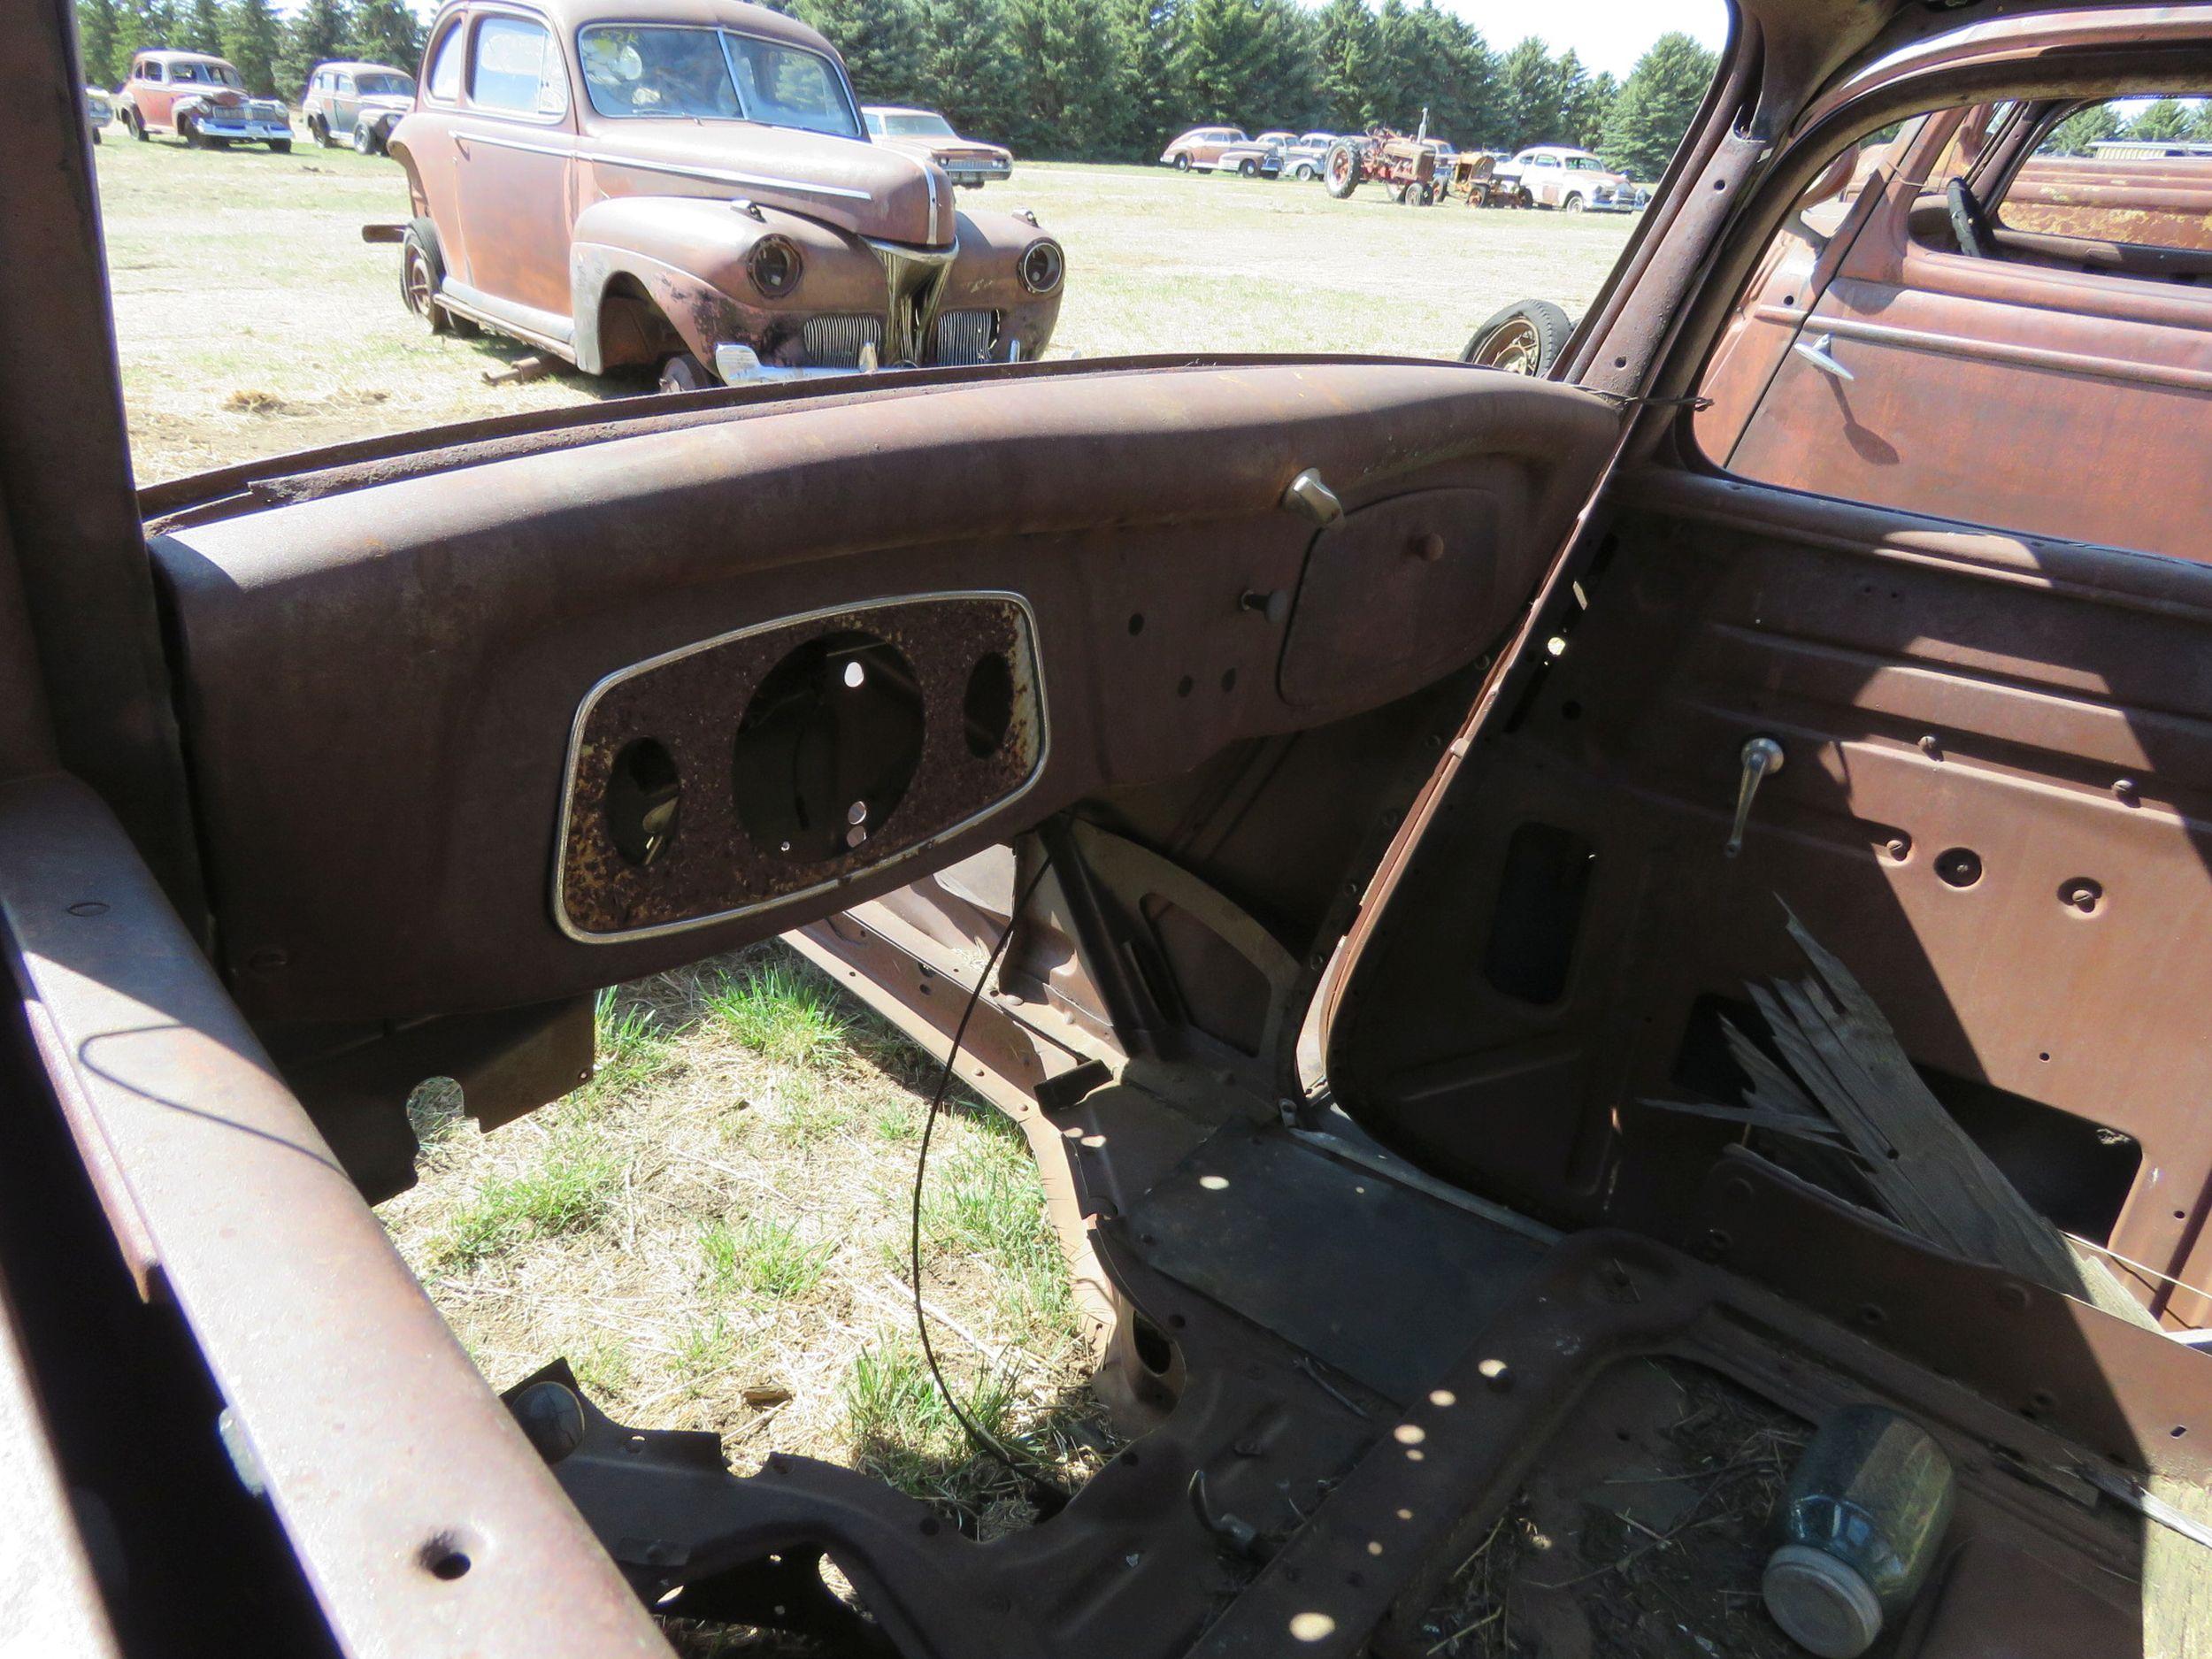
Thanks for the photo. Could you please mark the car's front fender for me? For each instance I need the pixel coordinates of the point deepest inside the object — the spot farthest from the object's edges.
(691, 256)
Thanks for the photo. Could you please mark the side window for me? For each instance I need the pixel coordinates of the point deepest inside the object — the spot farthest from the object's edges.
(345, 86)
(445, 64)
(1894, 346)
(517, 69)
(149, 71)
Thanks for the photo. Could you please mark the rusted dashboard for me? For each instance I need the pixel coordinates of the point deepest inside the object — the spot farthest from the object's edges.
(480, 731)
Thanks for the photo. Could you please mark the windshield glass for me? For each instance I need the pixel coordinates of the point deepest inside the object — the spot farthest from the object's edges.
(709, 74)
(386, 86)
(903, 125)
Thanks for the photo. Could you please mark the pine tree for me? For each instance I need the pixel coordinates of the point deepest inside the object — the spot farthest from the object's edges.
(2077, 132)
(1459, 85)
(317, 33)
(1346, 42)
(1529, 89)
(1071, 64)
(202, 28)
(1587, 110)
(251, 41)
(2161, 123)
(880, 41)
(1156, 106)
(386, 32)
(98, 29)
(1655, 104)
(1246, 61)
(966, 64)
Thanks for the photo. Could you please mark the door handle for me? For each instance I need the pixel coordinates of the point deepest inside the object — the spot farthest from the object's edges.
(1761, 758)
(1821, 354)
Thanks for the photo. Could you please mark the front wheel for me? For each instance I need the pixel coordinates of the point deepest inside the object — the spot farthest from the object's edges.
(1247, 169)
(318, 130)
(1424, 194)
(1303, 172)
(363, 139)
(1182, 164)
(280, 147)
(684, 372)
(189, 131)
(1572, 204)
(1523, 339)
(131, 119)
(421, 269)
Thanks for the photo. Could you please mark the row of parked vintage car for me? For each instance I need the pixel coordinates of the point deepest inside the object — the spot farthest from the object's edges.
(203, 100)
(1418, 169)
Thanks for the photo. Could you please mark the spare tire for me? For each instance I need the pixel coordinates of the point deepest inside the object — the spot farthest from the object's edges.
(1340, 171)
(1525, 338)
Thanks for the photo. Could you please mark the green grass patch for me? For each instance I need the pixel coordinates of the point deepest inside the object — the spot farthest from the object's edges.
(633, 1043)
(763, 1255)
(781, 1011)
(570, 1190)
(903, 1430)
(705, 1350)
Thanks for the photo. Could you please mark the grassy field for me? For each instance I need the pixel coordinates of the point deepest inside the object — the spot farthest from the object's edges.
(713, 1232)
(254, 320)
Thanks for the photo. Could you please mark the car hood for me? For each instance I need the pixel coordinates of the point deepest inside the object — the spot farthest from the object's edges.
(387, 101)
(861, 189)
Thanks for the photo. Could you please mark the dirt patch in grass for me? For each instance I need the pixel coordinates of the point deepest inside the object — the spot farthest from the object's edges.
(714, 1233)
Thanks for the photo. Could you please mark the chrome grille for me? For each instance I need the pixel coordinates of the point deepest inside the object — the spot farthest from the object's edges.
(834, 342)
(966, 337)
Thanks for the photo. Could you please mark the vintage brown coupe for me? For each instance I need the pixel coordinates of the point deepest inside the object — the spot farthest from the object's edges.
(685, 186)
(1539, 960)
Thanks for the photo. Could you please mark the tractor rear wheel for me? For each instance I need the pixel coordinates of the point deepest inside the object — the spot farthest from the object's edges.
(1339, 174)
(1525, 338)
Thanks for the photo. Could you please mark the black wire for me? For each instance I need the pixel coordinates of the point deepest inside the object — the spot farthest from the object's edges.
(1043, 1489)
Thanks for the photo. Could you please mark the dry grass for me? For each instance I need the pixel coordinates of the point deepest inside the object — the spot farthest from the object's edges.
(714, 1232)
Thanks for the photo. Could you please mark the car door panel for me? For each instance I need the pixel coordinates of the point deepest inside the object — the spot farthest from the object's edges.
(1904, 348)
(1993, 809)
(1137, 516)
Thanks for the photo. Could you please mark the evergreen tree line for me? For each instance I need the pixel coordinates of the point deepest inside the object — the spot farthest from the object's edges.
(1077, 80)
(274, 54)
(1115, 80)
(2162, 122)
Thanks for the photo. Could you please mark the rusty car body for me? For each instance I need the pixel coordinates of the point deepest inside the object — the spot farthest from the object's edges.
(969, 162)
(201, 99)
(355, 103)
(684, 187)
(1330, 803)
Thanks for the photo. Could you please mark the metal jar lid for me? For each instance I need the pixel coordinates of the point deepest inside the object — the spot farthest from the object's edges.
(1820, 1603)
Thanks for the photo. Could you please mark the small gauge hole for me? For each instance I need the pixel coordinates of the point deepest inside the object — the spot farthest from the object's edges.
(1959, 866)
(1136, 623)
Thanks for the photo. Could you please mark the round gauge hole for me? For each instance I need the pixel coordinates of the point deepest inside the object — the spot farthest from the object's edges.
(1136, 623)
(837, 722)
(1959, 866)
(643, 802)
(987, 707)
(1185, 685)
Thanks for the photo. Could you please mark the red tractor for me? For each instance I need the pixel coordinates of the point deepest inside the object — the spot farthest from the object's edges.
(1404, 166)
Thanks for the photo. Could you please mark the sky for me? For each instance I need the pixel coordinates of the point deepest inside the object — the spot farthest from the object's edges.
(1608, 35)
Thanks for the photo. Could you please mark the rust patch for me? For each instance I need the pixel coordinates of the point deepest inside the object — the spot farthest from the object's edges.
(693, 706)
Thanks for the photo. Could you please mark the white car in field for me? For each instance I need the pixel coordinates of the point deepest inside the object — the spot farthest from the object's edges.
(1572, 180)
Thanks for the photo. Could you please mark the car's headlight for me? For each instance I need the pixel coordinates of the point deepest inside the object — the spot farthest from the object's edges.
(1043, 265)
(775, 266)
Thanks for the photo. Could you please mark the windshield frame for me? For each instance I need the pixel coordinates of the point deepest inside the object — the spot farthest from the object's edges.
(725, 38)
